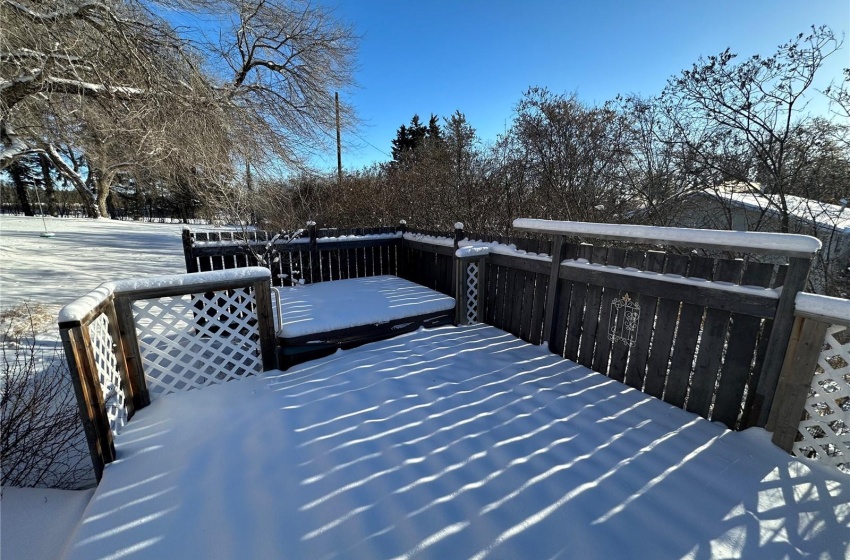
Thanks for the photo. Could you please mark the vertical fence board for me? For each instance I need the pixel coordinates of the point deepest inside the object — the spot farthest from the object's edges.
(687, 334)
(616, 257)
(576, 303)
(739, 355)
(369, 259)
(528, 282)
(620, 349)
(513, 301)
(490, 306)
(539, 305)
(591, 313)
(505, 299)
(639, 353)
(713, 339)
(665, 328)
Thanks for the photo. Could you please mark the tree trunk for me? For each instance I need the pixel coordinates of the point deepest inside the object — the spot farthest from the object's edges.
(75, 179)
(138, 203)
(102, 184)
(17, 171)
(49, 187)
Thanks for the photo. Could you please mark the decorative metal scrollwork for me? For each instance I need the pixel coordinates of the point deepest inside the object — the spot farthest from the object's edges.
(623, 323)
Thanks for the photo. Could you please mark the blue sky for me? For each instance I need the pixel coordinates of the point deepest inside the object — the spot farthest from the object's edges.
(438, 56)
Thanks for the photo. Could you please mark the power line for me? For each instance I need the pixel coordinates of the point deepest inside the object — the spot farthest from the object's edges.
(371, 144)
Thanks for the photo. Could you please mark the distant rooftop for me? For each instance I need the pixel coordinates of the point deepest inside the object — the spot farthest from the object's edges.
(805, 209)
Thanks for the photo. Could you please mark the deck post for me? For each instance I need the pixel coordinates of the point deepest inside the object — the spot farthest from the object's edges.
(188, 244)
(456, 272)
(798, 368)
(550, 312)
(132, 354)
(265, 324)
(83, 372)
(783, 323)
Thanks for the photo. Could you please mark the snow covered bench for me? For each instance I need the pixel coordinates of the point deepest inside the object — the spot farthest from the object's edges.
(314, 319)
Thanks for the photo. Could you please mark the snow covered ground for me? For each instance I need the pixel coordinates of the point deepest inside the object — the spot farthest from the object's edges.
(35, 522)
(82, 254)
(54, 271)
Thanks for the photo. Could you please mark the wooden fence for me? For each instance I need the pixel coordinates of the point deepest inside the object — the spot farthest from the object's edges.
(303, 256)
(707, 334)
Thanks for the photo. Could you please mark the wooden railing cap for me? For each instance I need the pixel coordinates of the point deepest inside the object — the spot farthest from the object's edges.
(79, 310)
(827, 309)
(787, 244)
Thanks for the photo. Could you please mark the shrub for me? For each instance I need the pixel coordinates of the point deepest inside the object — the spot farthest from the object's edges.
(42, 441)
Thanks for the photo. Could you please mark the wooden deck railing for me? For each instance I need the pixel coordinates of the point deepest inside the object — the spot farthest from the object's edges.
(707, 334)
(302, 256)
(704, 332)
(130, 341)
(811, 415)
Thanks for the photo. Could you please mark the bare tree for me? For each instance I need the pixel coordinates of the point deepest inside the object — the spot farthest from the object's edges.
(97, 76)
(276, 67)
(571, 152)
(743, 120)
(112, 80)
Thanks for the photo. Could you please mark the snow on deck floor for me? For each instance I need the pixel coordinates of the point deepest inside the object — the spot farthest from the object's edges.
(459, 442)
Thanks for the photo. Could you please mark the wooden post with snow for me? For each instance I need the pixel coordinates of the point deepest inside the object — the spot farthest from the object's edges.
(458, 236)
(550, 314)
(780, 335)
(188, 241)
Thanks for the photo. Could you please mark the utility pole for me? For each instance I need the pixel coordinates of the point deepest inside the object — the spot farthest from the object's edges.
(338, 147)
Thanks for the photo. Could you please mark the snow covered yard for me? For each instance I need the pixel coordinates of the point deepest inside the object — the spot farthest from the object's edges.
(83, 253)
(49, 273)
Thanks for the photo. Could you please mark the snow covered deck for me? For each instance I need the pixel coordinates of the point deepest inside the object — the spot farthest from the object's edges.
(455, 442)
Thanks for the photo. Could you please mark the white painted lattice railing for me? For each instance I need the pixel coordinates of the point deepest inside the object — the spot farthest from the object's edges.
(816, 383)
(109, 375)
(194, 340)
(825, 428)
(470, 283)
(130, 341)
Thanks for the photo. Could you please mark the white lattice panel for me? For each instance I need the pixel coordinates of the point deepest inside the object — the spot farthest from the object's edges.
(111, 385)
(196, 340)
(471, 292)
(825, 428)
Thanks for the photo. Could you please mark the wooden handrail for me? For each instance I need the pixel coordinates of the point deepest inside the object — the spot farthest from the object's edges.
(787, 244)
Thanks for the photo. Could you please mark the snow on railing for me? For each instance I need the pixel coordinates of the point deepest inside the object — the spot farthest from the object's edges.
(429, 239)
(787, 244)
(817, 382)
(132, 340)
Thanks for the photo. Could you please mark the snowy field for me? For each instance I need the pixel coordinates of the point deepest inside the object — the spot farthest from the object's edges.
(55, 271)
(82, 254)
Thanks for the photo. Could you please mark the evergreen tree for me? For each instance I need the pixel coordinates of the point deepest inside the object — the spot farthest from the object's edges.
(24, 178)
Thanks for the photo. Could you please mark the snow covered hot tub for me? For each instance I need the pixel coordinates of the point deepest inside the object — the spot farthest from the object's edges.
(315, 319)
